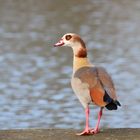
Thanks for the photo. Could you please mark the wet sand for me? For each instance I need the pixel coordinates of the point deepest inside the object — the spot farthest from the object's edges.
(69, 134)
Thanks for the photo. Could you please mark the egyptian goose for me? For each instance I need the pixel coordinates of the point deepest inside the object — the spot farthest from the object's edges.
(90, 83)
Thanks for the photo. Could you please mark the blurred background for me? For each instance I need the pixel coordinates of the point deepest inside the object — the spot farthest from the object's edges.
(35, 90)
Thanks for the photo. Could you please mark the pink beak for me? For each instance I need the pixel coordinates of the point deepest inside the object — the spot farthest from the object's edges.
(59, 44)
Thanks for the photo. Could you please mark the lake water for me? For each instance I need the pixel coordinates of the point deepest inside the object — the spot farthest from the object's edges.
(35, 89)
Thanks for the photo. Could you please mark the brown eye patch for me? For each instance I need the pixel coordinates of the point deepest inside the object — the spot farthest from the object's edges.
(68, 37)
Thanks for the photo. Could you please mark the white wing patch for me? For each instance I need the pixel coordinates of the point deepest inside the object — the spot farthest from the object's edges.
(81, 90)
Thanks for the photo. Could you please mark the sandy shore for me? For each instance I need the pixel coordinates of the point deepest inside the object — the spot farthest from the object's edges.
(69, 134)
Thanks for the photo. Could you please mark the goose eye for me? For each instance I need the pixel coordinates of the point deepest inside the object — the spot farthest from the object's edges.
(68, 37)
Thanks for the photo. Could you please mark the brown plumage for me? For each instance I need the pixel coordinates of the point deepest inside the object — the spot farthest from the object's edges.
(82, 53)
(99, 83)
(91, 84)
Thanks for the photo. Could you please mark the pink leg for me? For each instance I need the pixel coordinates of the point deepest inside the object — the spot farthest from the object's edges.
(96, 130)
(86, 130)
